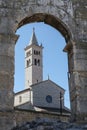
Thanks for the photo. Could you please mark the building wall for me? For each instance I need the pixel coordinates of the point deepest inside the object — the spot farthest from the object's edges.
(28, 67)
(22, 116)
(41, 90)
(37, 96)
(33, 73)
(37, 70)
(22, 98)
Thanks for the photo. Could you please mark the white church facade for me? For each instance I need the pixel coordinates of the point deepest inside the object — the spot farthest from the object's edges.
(38, 95)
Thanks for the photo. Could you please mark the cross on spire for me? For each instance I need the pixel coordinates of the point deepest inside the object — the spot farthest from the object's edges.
(33, 40)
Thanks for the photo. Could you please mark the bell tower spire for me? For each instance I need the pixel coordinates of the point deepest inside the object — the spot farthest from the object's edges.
(33, 40)
(33, 62)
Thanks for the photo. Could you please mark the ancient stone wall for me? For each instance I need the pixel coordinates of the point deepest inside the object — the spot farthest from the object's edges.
(67, 16)
(23, 116)
(78, 79)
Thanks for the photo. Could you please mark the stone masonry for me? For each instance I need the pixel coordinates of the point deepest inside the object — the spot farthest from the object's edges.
(67, 16)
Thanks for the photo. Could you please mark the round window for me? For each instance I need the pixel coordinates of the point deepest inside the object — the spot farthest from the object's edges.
(49, 99)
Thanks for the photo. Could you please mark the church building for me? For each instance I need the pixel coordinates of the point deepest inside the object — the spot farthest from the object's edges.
(38, 95)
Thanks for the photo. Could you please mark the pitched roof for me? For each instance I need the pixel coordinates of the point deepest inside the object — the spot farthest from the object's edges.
(50, 109)
(34, 85)
(22, 91)
(33, 40)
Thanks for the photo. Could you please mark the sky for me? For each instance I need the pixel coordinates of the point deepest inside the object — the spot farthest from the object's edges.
(55, 64)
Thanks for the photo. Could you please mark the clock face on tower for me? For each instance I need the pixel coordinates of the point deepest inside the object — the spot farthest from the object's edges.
(49, 98)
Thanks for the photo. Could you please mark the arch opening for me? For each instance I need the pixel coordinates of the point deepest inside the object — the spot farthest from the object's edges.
(50, 20)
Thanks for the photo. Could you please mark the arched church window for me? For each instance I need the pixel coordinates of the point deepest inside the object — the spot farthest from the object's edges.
(28, 62)
(34, 51)
(28, 53)
(35, 61)
(39, 52)
(38, 62)
(20, 98)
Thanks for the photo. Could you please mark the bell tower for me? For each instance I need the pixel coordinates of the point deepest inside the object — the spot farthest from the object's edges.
(33, 62)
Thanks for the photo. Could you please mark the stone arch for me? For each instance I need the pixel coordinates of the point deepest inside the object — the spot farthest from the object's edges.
(56, 20)
(71, 21)
(50, 20)
(17, 13)
(55, 13)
